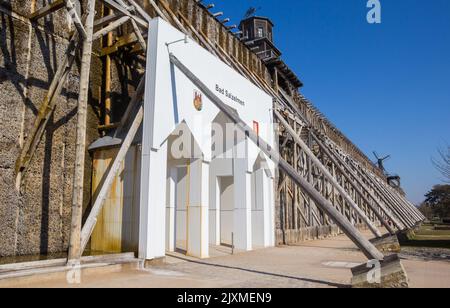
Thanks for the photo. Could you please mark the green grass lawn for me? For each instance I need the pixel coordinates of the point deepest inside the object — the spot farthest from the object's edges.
(426, 236)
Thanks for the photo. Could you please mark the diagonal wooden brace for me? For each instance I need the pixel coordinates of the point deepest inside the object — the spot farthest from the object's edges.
(72, 11)
(46, 10)
(328, 175)
(46, 109)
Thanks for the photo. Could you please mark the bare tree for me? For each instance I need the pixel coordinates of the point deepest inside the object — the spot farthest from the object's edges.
(442, 164)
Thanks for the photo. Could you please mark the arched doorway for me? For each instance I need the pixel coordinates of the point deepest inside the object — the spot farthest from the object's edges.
(186, 195)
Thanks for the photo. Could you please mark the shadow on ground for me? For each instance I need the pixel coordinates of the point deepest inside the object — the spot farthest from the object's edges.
(308, 280)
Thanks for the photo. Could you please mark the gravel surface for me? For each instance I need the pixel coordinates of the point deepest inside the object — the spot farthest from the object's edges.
(426, 254)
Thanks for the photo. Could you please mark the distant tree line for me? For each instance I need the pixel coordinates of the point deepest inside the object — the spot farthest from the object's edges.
(437, 202)
(442, 164)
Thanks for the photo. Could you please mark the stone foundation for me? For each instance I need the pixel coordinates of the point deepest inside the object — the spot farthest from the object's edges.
(387, 244)
(389, 273)
(290, 237)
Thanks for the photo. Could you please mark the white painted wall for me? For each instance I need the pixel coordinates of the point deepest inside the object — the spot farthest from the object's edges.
(226, 209)
(181, 209)
(169, 103)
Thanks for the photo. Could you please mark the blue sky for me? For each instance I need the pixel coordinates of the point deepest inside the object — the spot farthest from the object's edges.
(387, 86)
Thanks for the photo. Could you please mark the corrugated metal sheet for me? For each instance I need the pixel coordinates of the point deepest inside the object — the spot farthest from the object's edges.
(117, 228)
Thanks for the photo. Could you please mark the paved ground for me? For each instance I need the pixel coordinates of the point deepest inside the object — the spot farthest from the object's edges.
(319, 264)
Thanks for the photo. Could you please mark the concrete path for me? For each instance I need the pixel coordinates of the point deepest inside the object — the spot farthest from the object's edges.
(318, 264)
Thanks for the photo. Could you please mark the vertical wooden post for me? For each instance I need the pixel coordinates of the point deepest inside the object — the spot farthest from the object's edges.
(275, 79)
(333, 190)
(109, 42)
(78, 181)
(295, 164)
(310, 180)
(286, 198)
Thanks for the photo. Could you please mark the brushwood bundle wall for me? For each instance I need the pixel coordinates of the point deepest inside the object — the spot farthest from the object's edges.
(36, 219)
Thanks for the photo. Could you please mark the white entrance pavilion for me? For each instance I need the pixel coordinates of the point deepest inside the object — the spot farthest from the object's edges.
(202, 182)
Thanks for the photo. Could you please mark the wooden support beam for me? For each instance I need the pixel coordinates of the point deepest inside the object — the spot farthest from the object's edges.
(75, 250)
(158, 10)
(108, 127)
(388, 201)
(46, 109)
(411, 208)
(117, 7)
(395, 202)
(46, 10)
(385, 208)
(108, 62)
(140, 10)
(310, 178)
(126, 40)
(295, 165)
(401, 201)
(303, 216)
(327, 174)
(139, 35)
(107, 19)
(172, 14)
(346, 173)
(111, 27)
(402, 211)
(369, 250)
(72, 11)
(123, 4)
(295, 109)
(139, 93)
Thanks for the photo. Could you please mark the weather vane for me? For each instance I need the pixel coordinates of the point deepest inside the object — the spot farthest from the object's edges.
(251, 12)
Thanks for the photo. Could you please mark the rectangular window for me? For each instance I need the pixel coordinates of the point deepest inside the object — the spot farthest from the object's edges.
(260, 32)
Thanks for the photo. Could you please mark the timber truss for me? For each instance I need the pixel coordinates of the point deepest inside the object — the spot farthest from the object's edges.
(319, 184)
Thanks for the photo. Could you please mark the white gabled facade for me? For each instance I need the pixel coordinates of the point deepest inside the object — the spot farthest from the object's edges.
(202, 183)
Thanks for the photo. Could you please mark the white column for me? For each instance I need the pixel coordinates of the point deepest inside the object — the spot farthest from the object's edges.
(172, 180)
(262, 213)
(258, 194)
(205, 210)
(198, 210)
(272, 212)
(243, 204)
(214, 210)
(266, 184)
(152, 226)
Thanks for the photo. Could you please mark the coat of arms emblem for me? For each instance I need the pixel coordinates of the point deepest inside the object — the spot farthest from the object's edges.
(198, 101)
